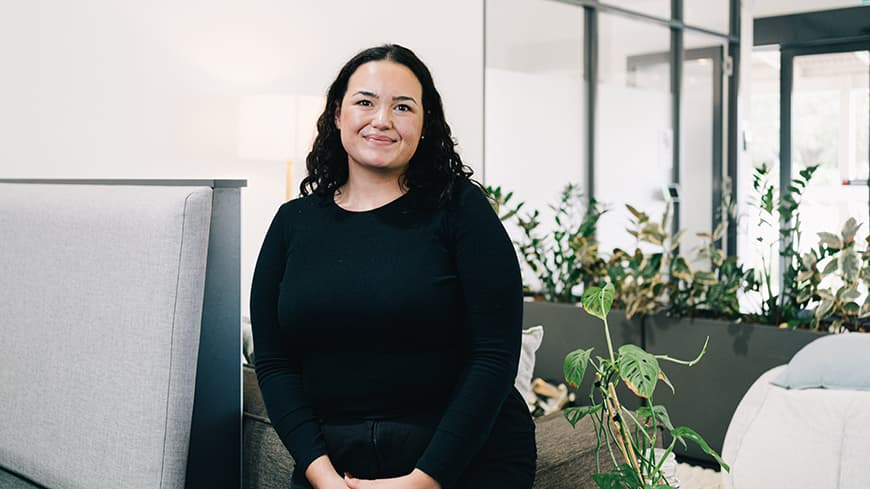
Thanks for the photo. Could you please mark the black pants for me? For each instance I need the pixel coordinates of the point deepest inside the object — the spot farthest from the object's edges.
(384, 448)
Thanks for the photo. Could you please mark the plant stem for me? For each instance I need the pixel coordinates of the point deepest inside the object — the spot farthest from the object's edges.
(607, 334)
(622, 430)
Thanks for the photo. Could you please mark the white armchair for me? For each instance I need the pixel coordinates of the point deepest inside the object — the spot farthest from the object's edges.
(809, 435)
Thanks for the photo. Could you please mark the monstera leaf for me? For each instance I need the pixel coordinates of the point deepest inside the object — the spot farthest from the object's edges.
(598, 300)
(575, 414)
(638, 369)
(575, 366)
(682, 434)
(645, 415)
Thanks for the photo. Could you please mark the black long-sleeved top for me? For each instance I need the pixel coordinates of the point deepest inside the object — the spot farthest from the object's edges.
(384, 312)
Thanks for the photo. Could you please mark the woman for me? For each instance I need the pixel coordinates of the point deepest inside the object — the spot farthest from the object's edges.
(386, 303)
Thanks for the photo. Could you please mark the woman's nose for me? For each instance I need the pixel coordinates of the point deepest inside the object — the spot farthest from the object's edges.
(383, 117)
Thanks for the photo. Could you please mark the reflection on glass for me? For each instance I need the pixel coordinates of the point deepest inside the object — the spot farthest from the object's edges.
(656, 8)
(708, 14)
(633, 125)
(829, 117)
(697, 107)
(535, 108)
(753, 240)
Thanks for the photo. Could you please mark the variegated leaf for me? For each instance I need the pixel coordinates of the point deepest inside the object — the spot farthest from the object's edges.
(823, 309)
(574, 366)
(830, 240)
(638, 369)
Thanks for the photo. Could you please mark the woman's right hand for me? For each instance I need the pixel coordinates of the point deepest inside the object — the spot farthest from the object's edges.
(322, 475)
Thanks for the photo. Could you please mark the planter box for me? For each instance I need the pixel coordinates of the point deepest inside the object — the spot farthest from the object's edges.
(707, 393)
(567, 328)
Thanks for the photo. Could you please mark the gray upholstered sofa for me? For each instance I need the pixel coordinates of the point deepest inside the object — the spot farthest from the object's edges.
(102, 289)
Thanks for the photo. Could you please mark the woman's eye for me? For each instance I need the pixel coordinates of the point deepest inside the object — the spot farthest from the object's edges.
(364, 103)
(403, 107)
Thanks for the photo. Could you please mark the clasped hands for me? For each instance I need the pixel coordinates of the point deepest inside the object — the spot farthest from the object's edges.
(415, 480)
(323, 476)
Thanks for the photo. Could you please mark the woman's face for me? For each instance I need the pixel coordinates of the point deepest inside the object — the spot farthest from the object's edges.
(381, 117)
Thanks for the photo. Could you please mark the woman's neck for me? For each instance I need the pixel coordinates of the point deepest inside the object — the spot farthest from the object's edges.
(360, 193)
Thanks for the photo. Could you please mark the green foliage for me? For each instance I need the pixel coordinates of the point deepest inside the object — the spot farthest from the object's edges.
(637, 467)
(639, 278)
(712, 289)
(845, 270)
(783, 214)
(500, 202)
(566, 256)
(822, 288)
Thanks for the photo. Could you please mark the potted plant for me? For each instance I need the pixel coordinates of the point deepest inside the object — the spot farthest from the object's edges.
(629, 437)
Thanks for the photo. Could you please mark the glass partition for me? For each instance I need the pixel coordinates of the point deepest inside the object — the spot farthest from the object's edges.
(535, 108)
(656, 8)
(634, 136)
(829, 128)
(708, 14)
(701, 168)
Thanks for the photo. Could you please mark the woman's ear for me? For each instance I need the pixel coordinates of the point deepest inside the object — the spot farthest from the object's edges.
(337, 117)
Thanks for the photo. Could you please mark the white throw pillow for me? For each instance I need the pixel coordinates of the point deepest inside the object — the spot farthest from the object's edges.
(531, 342)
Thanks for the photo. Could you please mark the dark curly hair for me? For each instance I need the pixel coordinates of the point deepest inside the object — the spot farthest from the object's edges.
(435, 169)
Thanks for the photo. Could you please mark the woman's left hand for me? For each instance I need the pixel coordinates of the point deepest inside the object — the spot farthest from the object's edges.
(415, 480)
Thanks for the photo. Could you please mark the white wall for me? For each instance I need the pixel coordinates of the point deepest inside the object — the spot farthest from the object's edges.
(129, 89)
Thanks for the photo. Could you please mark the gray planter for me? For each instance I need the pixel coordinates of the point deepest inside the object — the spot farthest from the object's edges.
(707, 393)
(567, 328)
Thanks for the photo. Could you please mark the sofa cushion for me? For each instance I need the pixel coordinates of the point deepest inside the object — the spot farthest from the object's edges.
(837, 361)
(101, 308)
(531, 342)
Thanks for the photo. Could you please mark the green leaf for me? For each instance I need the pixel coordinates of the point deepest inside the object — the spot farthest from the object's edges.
(849, 229)
(865, 309)
(849, 264)
(805, 275)
(675, 239)
(640, 216)
(664, 378)
(680, 268)
(825, 294)
(849, 295)
(804, 295)
(830, 240)
(809, 261)
(575, 366)
(682, 432)
(705, 277)
(824, 308)
(575, 414)
(598, 300)
(638, 369)
(645, 415)
(620, 477)
(830, 268)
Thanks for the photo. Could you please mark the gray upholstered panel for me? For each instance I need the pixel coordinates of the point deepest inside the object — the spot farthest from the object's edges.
(99, 320)
(11, 481)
